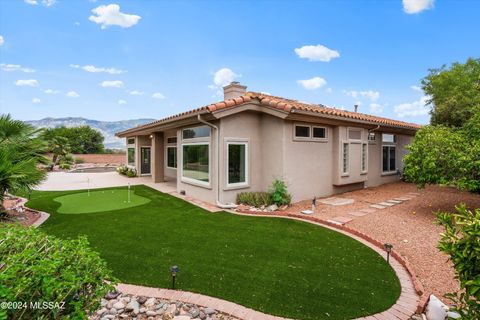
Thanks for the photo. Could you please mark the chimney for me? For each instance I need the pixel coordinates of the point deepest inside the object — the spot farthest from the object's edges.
(355, 107)
(234, 90)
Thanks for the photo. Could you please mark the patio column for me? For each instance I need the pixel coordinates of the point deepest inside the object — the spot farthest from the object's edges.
(158, 157)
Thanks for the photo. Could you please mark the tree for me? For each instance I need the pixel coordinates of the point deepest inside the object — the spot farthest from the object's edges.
(82, 139)
(59, 147)
(454, 93)
(21, 152)
(461, 242)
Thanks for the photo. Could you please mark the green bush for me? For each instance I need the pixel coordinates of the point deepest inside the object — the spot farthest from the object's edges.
(461, 242)
(64, 166)
(126, 171)
(68, 159)
(79, 160)
(131, 173)
(35, 267)
(279, 193)
(255, 199)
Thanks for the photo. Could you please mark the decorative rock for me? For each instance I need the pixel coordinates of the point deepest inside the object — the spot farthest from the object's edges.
(151, 313)
(202, 315)
(118, 305)
(112, 311)
(142, 300)
(103, 302)
(132, 305)
(172, 309)
(194, 313)
(110, 304)
(272, 208)
(150, 302)
(209, 311)
(283, 208)
(436, 309)
(112, 295)
(102, 311)
(182, 318)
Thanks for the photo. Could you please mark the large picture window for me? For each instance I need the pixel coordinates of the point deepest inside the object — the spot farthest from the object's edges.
(196, 162)
(131, 156)
(172, 157)
(196, 132)
(388, 159)
(237, 163)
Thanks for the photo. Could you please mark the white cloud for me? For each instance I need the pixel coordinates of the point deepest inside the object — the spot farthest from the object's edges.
(417, 6)
(416, 88)
(72, 94)
(223, 77)
(51, 91)
(376, 108)
(121, 101)
(416, 108)
(317, 53)
(2, 41)
(112, 84)
(110, 15)
(31, 2)
(312, 84)
(48, 3)
(158, 95)
(93, 69)
(136, 93)
(27, 83)
(372, 95)
(15, 67)
(36, 100)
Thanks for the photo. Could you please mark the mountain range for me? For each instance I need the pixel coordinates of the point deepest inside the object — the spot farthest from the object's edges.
(107, 128)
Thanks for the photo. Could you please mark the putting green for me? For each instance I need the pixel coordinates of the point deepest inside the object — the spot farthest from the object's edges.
(99, 201)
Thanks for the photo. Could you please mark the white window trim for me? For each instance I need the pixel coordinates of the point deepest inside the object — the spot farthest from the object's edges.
(387, 173)
(197, 138)
(238, 185)
(347, 173)
(170, 146)
(366, 158)
(310, 136)
(394, 142)
(195, 181)
(131, 145)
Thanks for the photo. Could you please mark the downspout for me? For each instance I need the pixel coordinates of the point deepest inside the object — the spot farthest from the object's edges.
(374, 129)
(217, 138)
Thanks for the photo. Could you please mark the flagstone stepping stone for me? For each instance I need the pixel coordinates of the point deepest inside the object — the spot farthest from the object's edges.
(334, 201)
(307, 212)
(394, 201)
(377, 206)
(368, 210)
(340, 220)
(387, 204)
(402, 199)
(357, 213)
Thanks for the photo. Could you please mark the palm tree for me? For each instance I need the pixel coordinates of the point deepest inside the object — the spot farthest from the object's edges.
(59, 147)
(21, 152)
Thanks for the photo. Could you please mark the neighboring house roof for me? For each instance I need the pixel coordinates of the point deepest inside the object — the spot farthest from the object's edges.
(282, 104)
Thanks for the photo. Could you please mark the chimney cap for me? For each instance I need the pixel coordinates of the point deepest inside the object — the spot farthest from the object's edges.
(234, 90)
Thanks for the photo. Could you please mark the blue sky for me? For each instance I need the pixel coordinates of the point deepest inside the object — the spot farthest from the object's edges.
(85, 58)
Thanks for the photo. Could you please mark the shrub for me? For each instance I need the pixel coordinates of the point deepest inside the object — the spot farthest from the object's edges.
(79, 160)
(36, 267)
(279, 192)
(131, 173)
(64, 166)
(126, 171)
(255, 199)
(68, 159)
(461, 242)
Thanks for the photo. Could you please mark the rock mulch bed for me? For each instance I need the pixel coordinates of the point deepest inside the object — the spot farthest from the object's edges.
(16, 212)
(123, 306)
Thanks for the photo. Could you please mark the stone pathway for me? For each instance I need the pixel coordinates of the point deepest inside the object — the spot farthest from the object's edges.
(341, 220)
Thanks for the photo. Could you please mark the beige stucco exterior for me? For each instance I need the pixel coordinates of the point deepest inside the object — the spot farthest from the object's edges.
(311, 168)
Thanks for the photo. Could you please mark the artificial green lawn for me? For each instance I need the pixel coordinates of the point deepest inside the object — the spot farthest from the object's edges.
(278, 266)
(99, 201)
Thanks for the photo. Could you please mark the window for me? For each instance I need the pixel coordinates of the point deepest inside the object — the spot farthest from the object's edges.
(172, 157)
(237, 163)
(371, 136)
(131, 156)
(172, 140)
(354, 134)
(387, 137)
(196, 162)
(197, 132)
(345, 158)
(319, 132)
(130, 140)
(302, 131)
(388, 158)
(364, 157)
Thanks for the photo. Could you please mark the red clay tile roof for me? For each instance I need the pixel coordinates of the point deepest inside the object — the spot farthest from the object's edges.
(283, 104)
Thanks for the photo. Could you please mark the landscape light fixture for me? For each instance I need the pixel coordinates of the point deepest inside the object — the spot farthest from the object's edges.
(388, 248)
(174, 270)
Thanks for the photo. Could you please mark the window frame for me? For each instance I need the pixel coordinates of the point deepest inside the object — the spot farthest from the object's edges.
(345, 169)
(132, 164)
(390, 134)
(364, 158)
(176, 156)
(193, 181)
(196, 138)
(237, 185)
(388, 172)
(354, 129)
(310, 137)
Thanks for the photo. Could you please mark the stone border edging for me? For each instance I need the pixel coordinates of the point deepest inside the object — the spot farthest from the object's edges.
(419, 289)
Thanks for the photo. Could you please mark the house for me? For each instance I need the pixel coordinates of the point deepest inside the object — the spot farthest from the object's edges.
(244, 142)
